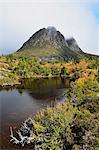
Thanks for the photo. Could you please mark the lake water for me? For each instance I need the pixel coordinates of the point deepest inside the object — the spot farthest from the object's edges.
(17, 104)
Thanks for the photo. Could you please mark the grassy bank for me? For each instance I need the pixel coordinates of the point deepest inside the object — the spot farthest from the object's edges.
(13, 68)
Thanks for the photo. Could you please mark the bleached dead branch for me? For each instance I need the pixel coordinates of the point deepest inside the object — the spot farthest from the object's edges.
(25, 134)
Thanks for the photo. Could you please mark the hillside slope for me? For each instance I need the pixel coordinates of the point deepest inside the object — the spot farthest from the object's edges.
(50, 44)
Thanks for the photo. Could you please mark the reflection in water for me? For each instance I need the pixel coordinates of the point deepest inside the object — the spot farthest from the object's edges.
(45, 88)
(26, 100)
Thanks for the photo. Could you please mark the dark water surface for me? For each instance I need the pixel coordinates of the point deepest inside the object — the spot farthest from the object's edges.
(17, 104)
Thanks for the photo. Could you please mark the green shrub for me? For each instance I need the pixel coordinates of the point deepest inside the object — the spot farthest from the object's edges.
(64, 71)
(64, 127)
(55, 71)
(84, 93)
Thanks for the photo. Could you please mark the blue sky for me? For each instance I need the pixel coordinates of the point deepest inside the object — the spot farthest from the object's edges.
(95, 10)
(19, 19)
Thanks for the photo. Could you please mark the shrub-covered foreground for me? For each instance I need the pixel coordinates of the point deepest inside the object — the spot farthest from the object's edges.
(73, 125)
(63, 127)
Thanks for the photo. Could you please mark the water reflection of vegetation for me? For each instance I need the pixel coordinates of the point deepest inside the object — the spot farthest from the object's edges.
(45, 88)
(44, 83)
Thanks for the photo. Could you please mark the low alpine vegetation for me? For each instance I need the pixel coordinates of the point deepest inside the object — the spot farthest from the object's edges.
(62, 127)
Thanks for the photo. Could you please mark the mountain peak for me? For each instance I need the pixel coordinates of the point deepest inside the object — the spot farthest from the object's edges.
(46, 38)
(73, 44)
(49, 42)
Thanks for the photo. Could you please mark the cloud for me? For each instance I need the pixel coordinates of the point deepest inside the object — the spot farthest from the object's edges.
(20, 19)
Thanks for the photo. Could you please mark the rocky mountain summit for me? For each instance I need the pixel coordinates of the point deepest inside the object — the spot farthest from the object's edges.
(71, 42)
(50, 43)
(46, 38)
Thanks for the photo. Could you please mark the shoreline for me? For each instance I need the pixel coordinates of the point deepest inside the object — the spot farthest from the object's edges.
(12, 84)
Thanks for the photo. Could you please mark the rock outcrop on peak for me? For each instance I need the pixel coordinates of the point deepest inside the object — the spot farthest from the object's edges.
(73, 44)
